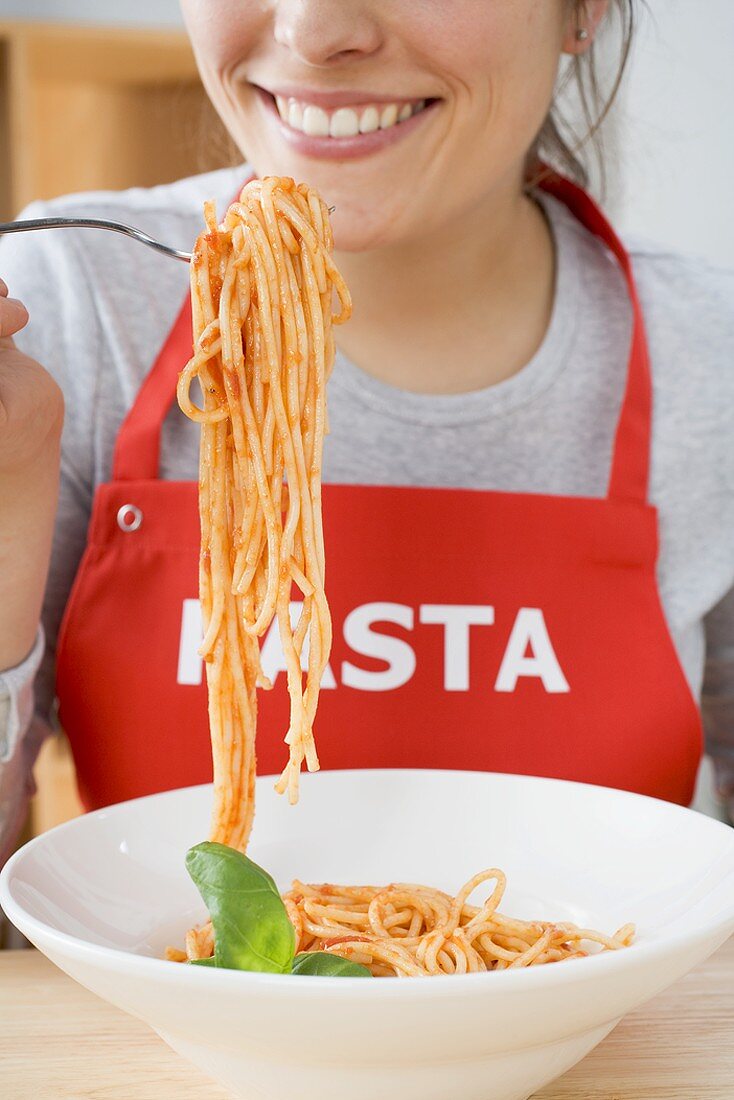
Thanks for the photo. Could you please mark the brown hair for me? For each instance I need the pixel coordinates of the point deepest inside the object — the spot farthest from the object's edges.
(559, 144)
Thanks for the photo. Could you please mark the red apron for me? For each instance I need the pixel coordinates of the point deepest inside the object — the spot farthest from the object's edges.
(483, 630)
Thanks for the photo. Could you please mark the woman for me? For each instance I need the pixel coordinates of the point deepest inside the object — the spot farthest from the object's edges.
(504, 596)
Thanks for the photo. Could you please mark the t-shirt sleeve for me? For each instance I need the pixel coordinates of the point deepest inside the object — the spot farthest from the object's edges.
(46, 271)
(717, 696)
(19, 738)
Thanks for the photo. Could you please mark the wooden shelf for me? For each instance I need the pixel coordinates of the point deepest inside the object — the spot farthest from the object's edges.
(83, 108)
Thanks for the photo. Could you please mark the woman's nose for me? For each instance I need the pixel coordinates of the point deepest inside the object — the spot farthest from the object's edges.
(320, 32)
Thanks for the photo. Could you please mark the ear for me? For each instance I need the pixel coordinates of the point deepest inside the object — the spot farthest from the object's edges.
(585, 15)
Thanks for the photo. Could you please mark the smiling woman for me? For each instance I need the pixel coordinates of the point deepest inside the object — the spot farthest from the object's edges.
(462, 94)
(457, 91)
(527, 507)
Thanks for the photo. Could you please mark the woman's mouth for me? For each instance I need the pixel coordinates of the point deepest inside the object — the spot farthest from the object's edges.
(345, 122)
(338, 126)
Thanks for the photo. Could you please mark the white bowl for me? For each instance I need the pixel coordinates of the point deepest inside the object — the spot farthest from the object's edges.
(103, 895)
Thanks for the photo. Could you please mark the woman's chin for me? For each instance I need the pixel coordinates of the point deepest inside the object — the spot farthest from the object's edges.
(373, 199)
(353, 232)
(366, 214)
(370, 208)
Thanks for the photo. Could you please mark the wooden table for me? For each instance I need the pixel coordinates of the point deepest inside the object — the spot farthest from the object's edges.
(58, 1042)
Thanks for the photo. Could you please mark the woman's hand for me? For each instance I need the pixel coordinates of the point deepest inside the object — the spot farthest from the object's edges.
(31, 403)
(31, 418)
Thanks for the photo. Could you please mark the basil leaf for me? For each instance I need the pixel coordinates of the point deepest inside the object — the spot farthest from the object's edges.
(252, 930)
(328, 966)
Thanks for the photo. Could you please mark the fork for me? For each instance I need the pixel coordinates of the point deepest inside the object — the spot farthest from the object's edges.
(95, 223)
(99, 223)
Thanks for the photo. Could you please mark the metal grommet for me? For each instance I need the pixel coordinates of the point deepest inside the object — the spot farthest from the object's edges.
(129, 517)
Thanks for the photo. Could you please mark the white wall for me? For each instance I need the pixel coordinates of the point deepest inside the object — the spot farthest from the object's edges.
(157, 13)
(675, 129)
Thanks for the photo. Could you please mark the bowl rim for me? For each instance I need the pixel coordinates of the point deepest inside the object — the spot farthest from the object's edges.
(592, 968)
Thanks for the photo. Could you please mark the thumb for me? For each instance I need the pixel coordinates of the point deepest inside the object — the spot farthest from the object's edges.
(13, 316)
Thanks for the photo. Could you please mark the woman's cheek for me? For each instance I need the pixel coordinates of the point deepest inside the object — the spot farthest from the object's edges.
(224, 33)
(499, 62)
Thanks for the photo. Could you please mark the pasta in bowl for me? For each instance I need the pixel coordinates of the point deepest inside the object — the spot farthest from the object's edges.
(103, 896)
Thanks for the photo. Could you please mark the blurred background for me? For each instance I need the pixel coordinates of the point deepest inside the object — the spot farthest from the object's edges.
(103, 94)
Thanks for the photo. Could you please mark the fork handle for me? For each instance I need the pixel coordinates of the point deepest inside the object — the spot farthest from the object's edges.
(94, 223)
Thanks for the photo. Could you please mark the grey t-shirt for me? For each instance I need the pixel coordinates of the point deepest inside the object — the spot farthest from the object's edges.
(101, 306)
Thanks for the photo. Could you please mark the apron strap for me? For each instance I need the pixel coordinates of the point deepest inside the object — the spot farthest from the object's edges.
(138, 446)
(137, 450)
(629, 475)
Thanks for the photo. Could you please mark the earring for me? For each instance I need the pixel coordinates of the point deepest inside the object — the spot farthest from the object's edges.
(582, 34)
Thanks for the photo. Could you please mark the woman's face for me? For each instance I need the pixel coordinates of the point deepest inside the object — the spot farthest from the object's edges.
(405, 114)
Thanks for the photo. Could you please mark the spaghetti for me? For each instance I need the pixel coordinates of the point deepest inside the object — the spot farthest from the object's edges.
(262, 285)
(405, 930)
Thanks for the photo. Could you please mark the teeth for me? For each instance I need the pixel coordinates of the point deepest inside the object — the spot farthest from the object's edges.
(315, 122)
(370, 121)
(344, 122)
